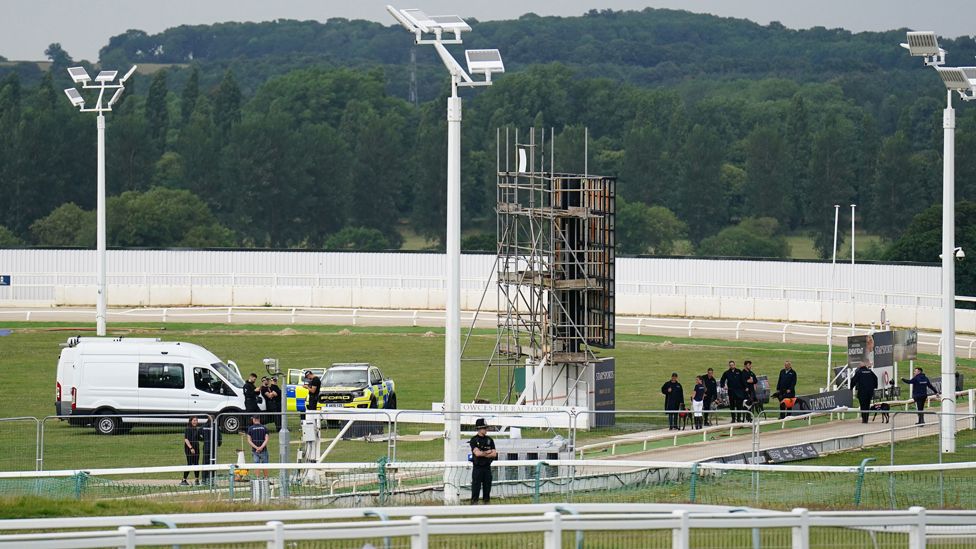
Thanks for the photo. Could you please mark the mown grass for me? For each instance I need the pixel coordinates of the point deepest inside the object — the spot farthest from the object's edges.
(412, 356)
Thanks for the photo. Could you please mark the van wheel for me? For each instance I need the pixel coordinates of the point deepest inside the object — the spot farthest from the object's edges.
(107, 425)
(230, 424)
(391, 404)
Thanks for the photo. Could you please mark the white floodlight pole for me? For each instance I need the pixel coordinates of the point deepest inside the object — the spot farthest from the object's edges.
(103, 83)
(948, 409)
(419, 24)
(853, 307)
(833, 279)
(452, 345)
(925, 44)
(101, 307)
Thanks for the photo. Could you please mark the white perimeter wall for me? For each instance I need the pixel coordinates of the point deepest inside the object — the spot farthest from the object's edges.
(760, 290)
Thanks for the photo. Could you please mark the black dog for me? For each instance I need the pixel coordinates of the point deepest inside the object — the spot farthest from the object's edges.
(882, 408)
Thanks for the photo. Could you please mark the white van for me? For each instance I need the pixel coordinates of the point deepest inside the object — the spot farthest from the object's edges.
(141, 379)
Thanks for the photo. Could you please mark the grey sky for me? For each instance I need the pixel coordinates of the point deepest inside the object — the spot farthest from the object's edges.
(84, 26)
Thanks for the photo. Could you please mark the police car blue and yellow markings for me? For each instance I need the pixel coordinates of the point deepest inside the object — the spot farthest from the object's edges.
(359, 394)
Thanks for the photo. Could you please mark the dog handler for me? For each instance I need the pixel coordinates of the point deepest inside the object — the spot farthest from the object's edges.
(920, 386)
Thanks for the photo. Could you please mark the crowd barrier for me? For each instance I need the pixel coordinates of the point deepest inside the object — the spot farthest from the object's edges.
(53, 442)
(545, 526)
(358, 485)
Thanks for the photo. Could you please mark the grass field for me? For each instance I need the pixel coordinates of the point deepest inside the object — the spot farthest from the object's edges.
(412, 356)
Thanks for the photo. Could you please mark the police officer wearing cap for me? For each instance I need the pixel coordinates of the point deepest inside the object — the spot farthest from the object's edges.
(314, 385)
(482, 454)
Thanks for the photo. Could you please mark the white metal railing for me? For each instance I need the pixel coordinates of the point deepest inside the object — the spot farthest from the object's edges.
(46, 280)
(913, 527)
(785, 332)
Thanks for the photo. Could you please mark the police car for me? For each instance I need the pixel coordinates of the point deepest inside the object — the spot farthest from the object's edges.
(357, 385)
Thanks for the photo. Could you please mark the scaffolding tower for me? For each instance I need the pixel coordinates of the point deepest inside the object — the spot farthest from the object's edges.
(554, 276)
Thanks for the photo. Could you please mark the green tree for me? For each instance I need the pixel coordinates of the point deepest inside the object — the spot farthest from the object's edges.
(896, 193)
(226, 105)
(642, 229)
(60, 60)
(191, 92)
(701, 196)
(767, 191)
(832, 168)
(753, 237)
(8, 239)
(157, 112)
(163, 217)
(481, 242)
(68, 225)
(922, 242)
(798, 151)
(358, 238)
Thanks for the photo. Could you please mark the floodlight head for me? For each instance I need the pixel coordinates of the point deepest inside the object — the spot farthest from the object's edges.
(128, 74)
(960, 254)
(451, 23)
(484, 61)
(958, 78)
(76, 99)
(404, 22)
(106, 76)
(922, 44)
(79, 75)
(419, 20)
(115, 96)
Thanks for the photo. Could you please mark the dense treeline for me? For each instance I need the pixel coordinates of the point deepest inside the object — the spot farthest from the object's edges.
(722, 133)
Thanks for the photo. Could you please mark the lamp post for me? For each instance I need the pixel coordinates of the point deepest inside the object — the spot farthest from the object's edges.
(103, 82)
(833, 281)
(962, 81)
(431, 30)
(284, 437)
(853, 308)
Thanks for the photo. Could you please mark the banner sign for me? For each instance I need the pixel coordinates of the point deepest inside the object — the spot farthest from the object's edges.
(905, 345)
(860, 351)
(604, 392)
(884, 343)
(791, 453)
(829, 400)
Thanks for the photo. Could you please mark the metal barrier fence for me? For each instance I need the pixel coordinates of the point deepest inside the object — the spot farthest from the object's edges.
(545, 526)
(106, 441)
(358, 485)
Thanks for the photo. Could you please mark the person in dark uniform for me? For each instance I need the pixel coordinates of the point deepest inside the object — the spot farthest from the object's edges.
(711, 392)
(864, 382)
(750, 381)
(786, 389)
(191, 449)
(698, 401)
(482, 454)
(275, 405)
(732, 382)
(314, 387)
(920, 385)
(251, 395)
(674, 397)
(272, 406)
(211, 439)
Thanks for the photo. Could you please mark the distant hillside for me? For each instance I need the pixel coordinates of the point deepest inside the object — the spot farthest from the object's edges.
(649, 47)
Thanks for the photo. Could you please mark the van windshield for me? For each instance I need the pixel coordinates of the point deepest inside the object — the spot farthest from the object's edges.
(230, 374)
